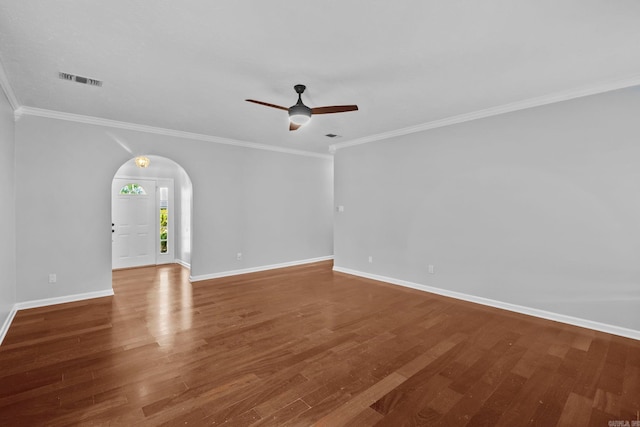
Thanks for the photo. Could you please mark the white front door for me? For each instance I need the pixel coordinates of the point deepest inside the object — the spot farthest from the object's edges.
(134, 223)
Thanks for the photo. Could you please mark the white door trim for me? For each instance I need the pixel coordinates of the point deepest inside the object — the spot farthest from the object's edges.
(169, 257)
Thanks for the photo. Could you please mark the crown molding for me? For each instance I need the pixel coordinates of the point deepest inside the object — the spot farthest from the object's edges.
(448, 121)
(91, 120)
(6, 88)
(494, 111)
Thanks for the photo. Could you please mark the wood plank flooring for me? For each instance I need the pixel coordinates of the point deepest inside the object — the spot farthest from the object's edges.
(303, 346)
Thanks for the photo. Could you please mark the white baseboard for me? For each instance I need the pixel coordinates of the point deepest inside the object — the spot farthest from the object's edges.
(584, 323)
(61, 300)
(256, 269)
(7, 323)
(182, 263)
(48, 301)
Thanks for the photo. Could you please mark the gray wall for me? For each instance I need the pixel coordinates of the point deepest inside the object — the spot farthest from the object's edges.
(539, 208)
(183, 189)
(273, 207)
(7, 212)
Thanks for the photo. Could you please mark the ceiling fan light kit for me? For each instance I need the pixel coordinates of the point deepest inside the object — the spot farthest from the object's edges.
(300, 114)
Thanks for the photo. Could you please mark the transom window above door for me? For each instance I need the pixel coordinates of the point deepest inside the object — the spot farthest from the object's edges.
(133, 189)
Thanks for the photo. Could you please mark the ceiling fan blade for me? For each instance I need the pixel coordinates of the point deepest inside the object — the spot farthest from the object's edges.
(293, 126)
(267, 104)
(334, 109)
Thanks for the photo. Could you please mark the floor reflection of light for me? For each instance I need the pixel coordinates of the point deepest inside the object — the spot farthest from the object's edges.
(185, 305)
(163, 310)
(142, 389)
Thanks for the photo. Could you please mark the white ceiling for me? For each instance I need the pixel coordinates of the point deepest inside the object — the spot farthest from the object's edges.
(189, 65)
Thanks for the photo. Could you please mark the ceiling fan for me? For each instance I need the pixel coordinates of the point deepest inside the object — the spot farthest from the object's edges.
(299, 114)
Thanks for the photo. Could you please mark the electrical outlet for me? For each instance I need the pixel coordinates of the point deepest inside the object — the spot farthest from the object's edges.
(239, 256)
(52, 278)
(431, 270)
(370, 259)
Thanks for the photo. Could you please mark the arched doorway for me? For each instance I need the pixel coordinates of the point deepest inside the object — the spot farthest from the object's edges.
(151, 214)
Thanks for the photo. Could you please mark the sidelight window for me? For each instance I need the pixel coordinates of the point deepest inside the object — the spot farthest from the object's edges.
(164, 220)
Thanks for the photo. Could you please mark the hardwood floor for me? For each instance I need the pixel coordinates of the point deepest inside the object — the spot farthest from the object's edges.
(305, 345)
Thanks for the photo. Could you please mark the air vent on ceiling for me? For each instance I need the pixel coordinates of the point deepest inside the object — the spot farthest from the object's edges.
(80, 79)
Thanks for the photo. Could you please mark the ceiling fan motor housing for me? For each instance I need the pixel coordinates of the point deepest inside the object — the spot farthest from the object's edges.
(299, 113)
